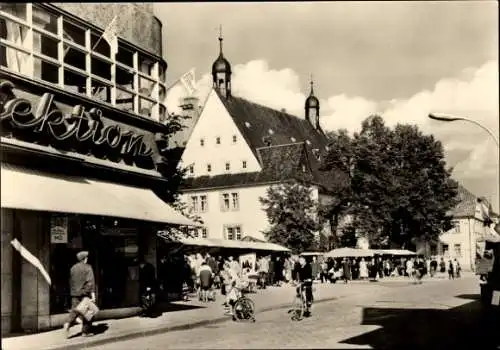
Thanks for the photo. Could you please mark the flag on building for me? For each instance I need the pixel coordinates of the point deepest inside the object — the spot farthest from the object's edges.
(33, 260)
(189, 81)
(111, 36)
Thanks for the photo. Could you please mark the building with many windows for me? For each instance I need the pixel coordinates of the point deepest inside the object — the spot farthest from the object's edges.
(238, 148)
(462, 240)
(81, 166)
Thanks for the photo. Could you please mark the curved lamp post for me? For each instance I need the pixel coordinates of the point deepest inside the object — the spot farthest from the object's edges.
(449, 118)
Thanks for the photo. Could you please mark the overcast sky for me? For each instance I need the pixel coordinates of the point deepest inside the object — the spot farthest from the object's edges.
(398, 59)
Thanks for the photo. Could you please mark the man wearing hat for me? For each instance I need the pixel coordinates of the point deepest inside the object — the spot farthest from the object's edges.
(82, 285)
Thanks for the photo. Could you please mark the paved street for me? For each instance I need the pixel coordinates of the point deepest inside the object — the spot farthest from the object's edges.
(439, 315)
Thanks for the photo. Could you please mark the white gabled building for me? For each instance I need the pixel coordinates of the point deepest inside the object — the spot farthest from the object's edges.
(237, 149)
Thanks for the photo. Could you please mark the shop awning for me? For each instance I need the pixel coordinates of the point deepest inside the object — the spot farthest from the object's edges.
(225, 243)
(347, 252)
(396, 252)
(28, 189)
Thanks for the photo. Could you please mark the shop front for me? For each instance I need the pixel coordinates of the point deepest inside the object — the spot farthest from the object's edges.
(75, 176)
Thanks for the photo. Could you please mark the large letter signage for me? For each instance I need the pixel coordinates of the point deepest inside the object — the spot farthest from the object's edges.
(80, 131)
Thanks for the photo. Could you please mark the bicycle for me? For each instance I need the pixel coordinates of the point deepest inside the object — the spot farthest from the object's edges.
(243, 308)
(299, 304)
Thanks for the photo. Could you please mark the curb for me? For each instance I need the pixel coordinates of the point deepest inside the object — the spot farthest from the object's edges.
(164, 329)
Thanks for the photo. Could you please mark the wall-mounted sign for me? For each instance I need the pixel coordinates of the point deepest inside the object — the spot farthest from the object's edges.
(58, 229)
(80, 130)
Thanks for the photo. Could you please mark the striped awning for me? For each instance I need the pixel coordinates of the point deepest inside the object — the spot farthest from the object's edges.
(28, 189)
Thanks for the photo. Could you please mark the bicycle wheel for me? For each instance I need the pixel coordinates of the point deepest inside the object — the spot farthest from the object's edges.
(297, 309)
(244, 309)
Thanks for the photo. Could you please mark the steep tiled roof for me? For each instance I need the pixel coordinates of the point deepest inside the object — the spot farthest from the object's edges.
(279, 163)
(467, 205)
(286, 146)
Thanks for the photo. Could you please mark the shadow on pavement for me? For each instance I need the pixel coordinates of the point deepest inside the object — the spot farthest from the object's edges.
(468, 326)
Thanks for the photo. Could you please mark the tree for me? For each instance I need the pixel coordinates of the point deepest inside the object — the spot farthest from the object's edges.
(400, 189)
(292, 214)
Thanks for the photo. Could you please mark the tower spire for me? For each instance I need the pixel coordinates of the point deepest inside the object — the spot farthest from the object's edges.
(220, 39)
(312, 86)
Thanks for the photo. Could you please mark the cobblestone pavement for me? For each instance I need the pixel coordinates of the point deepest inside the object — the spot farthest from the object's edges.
(427, 316)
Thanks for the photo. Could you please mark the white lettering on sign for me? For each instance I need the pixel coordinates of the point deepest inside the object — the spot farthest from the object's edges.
(58, 229)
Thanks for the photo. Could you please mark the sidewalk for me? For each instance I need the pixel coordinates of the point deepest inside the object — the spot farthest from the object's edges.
(184, 315)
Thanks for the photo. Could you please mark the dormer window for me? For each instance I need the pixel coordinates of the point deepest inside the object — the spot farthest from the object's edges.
(234, 138)
(217, 140)
(228, 166)
(202, 142)
(293, 139)
(271, 132)
(247, 124)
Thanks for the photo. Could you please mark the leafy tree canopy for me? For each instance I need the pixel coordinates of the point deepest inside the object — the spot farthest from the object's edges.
(292, 214)
(400, 189)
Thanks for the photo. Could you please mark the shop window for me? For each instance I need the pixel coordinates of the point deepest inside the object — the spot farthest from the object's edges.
(17, 10)
(46, 71)
(74, 33)
(74, 81)
(44, 19)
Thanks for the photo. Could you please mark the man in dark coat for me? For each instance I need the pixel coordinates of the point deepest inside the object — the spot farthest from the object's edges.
(82, 284)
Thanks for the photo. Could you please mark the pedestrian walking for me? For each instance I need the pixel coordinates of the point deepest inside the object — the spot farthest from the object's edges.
(451, 271)
(363, 269)
(82, 285)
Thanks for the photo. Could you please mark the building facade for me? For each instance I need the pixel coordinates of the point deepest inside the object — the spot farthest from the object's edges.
(81, 167)
(461, 242)
(238, 148)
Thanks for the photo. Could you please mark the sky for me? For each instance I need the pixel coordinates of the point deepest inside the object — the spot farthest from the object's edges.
(401, 60)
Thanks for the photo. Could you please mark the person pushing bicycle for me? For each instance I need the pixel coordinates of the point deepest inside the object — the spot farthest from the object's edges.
(303, 276)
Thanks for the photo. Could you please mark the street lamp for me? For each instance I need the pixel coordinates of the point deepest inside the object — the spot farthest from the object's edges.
(448, 118)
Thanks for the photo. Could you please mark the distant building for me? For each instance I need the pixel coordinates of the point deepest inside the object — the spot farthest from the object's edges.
(460, 242)
(238, 148)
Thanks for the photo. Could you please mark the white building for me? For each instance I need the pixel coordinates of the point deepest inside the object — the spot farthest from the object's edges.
(461, 241)
(237, 149)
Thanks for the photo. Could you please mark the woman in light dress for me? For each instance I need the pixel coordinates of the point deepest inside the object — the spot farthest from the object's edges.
(363, 269)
